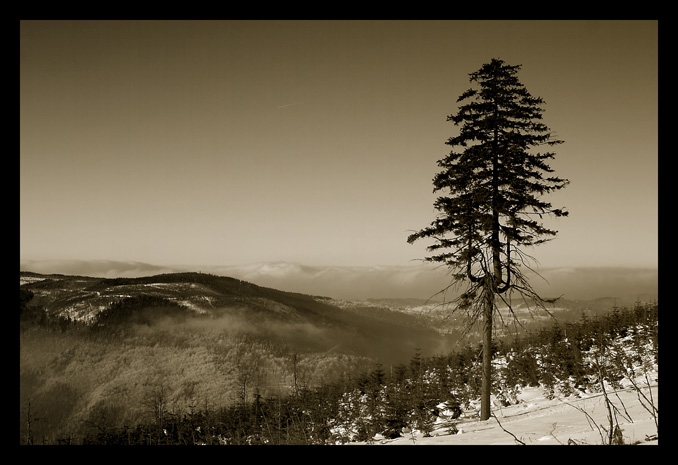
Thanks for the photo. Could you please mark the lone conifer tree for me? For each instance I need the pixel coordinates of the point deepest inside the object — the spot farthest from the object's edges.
(493, 179)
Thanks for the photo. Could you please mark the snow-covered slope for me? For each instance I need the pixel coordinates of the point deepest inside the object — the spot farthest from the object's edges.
(536, 420)
(627, 407)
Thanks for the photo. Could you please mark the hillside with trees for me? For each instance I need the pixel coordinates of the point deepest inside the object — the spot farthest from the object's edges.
(151, 371)
(92, 348)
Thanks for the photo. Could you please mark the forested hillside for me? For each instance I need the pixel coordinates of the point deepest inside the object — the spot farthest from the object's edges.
(147, 369)
(105, 348)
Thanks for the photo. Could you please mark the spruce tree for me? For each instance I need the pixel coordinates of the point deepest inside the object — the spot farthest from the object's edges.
(491, 206)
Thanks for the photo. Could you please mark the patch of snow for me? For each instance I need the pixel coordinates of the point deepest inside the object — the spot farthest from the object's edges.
(543, 421)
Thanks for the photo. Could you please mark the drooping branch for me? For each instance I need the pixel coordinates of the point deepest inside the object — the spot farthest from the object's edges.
(469, 273)
(507, 283)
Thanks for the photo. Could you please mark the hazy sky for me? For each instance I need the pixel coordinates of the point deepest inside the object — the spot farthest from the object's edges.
(230, 142)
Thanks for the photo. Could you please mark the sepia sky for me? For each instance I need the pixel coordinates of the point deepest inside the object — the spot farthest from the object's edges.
(232, 142)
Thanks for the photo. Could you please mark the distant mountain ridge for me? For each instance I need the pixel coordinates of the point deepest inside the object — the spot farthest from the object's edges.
(420, 281)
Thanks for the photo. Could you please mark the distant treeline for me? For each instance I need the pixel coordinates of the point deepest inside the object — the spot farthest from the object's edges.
(139, 309)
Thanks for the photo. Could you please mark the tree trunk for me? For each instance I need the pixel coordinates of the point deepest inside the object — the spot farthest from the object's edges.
(487, 356)
(492, 281)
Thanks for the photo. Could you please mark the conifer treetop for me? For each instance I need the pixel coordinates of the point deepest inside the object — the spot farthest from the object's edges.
(493, 181)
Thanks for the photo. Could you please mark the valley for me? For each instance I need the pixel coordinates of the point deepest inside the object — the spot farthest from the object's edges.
(117, 351)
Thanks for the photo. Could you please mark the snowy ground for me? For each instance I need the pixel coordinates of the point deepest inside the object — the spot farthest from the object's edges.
(536, 420)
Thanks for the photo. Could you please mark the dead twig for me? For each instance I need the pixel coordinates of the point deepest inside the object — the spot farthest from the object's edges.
(508, 432)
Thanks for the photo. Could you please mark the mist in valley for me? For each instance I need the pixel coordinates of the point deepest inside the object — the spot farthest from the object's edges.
(270, 344)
